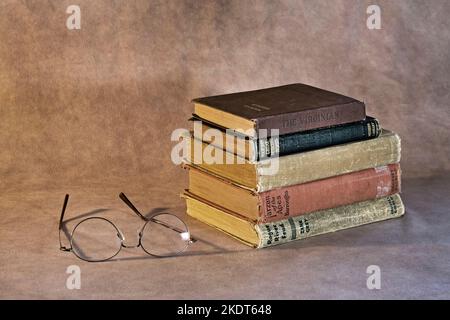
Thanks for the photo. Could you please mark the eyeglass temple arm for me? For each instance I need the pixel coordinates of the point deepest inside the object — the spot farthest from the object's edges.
(61, 219)
(170, 227)
(127, 201)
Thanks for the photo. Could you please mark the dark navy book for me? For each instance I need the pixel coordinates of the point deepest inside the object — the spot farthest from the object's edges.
(263, 148)
(318, 138)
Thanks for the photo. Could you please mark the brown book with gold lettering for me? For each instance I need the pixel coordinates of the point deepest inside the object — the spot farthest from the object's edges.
(290, 108)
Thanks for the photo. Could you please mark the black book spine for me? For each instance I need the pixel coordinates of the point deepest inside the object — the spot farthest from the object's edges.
(319, 138)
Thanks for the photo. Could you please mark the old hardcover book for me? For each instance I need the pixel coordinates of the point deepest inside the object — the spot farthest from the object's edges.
(300, 227)
(285, 202)
(255, 149)
(290, 108)
(297, 168)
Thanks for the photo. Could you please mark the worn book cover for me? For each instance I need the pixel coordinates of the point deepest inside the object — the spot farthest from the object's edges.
(295, 228)
(285, 202)
(302, 167)
(289, 108)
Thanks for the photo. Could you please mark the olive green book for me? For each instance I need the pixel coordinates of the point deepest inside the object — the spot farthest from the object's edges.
(297, 168)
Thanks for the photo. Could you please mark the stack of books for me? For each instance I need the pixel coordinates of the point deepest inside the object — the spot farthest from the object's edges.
(275, 165)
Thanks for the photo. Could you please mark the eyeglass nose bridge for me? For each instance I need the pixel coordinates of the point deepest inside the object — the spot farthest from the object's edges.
(122, 241)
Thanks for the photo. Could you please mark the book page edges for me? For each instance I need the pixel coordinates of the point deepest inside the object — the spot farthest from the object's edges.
(226, 119)
(228, 219)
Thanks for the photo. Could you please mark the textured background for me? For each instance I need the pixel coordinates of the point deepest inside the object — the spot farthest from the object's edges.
(91, 111)
(101, 102)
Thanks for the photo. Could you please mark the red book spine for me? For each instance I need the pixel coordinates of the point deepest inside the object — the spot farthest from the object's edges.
(328, 193)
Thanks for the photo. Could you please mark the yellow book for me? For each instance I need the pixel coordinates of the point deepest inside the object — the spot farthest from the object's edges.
(300, 227)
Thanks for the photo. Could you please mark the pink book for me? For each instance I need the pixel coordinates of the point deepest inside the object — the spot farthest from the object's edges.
(329, 193)
(295, 200)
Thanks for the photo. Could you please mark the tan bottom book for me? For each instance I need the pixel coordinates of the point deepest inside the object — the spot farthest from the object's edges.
(295, 228)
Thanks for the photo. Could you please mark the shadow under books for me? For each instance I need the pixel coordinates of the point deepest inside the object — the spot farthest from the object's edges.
(368, 235)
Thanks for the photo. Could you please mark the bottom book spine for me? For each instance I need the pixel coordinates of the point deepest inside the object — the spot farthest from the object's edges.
(330, 220)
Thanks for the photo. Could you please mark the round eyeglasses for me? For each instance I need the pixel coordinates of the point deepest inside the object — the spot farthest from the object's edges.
(97, 239)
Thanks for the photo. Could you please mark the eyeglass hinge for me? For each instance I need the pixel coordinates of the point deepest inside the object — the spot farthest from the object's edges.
(65, 249)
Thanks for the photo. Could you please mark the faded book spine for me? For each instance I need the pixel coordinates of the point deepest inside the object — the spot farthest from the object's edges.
(327, 162)
(316, 139)
(330, 220)
(328, 193)
(313, 119)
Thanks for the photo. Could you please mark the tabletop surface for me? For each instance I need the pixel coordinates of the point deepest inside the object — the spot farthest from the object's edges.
(413, 253)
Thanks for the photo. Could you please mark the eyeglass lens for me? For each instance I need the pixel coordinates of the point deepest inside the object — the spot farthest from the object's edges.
(165, 235)
(96, 239)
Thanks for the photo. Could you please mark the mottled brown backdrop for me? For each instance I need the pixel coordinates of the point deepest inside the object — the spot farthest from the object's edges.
(90, 112)
(99, 104)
